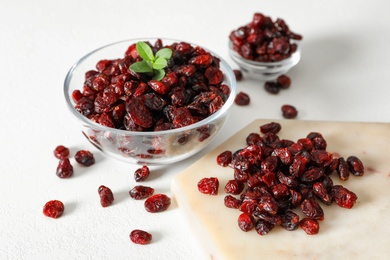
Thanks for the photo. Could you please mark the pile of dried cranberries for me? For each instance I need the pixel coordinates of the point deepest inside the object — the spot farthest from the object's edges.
(273, 177)
(117, 97)
(264, 40)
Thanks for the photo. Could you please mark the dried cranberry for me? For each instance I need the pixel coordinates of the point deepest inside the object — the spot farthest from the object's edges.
(238, 74)
(213, 75)
(263, 227)
(140, 237)
(138, 112)
(209, 186)
(312, 209)
(141, 192)
(224, 159)
(283, 81)
(246, 222)
(290, 221)
(53, 209)
(343, 197)
(355, 166)
(234, 187)
(157, 203)
(61, 152)
(272, 87)
(289, 111)
(85, 158)
(242, 99)
(142, 173)
(343, 169)
(272, 127)
(310, 226)
(64, 168)
(231, 202)
(106, 196)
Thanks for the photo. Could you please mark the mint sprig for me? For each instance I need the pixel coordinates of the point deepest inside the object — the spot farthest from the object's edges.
(151, 64)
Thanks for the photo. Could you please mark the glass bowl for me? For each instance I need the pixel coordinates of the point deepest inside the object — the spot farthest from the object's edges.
(265, 71)
(152, 148)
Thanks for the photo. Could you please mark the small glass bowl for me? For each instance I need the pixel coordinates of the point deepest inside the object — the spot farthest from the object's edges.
(265, 71)
(152, 148)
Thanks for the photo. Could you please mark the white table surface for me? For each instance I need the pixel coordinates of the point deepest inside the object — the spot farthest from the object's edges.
(343, 75)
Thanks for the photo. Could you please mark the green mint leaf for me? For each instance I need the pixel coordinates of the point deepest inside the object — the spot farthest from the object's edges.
(145, 51)
(159, 74)
(165, 53)
(159, 63)
(141, 67)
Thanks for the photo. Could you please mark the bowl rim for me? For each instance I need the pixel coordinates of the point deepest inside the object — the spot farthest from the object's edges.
(227, 105)
(295, 55)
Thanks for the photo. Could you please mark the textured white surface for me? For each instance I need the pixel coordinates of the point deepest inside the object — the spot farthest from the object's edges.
(343, 76)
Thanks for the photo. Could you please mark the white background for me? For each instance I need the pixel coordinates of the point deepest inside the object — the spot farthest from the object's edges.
(343, 76)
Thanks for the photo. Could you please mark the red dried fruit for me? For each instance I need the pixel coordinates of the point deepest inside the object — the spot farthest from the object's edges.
(290, 221)
(231, 202)
(224, 158)
(138, 112)
(312, 209)
(157, 203)
(140, 237)
(209, 186)
(64, 168)
(343, 169)
(213, 75)
(234, 187)
(53, 209)
(85, 158)
(106, 196)
(238, 74)
(310, 226)
(289, 111)
(246, 222)
(112, 87)
(283, 81)
(271, 41)
(272, 127)
(268, 204)
(272, 87)
(355, 166)
(141, 192)
(242, 99)
(61, 152)
(142, 173)
(343, 197)
(263, 227)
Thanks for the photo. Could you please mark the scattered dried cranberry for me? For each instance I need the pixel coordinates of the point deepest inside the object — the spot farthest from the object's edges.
(272, 87)
(355, 166)
(142, 173)
(231, 202)
(61, 152)
(208, 186)
(141, 192)
(106, 196)
(140, 237)
(85, 158)
(238, 74)
(289, 111)
(64, 168)
(283, 81)
(53, 209)
(310, 226)
(272, 127)
(242, 99)
(157, 203)
(234, 187)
